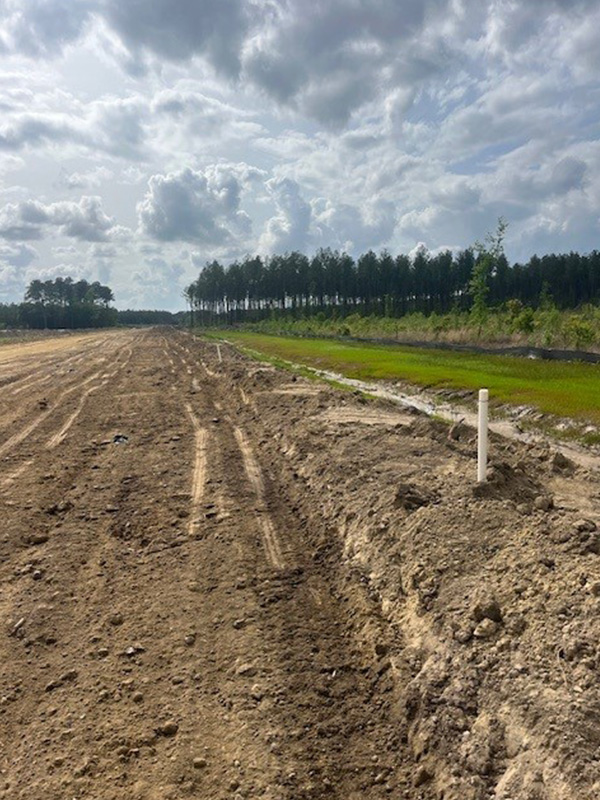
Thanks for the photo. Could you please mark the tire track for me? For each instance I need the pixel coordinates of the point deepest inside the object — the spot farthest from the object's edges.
(200, 468)
(38, 376)
(21, 435)
(270, 539)
(58, 437)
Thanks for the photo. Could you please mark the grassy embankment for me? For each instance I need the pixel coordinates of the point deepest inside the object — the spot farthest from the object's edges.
(559, 389)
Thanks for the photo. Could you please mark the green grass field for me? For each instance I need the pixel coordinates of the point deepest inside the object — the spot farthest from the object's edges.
(562, 389)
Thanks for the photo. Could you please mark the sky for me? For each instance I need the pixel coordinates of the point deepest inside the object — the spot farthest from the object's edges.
(140, 139)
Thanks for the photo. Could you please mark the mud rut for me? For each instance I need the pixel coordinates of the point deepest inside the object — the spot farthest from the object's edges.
(173, 625)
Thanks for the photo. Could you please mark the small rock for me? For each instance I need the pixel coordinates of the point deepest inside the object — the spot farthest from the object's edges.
(16, 628)
(116, 619)
(132, 650)
(190, 639)
(486, 629)
(584, 526)
(137, 697)
(560, 463)
(103, 652)
(548, 562)
(422, 776)
(524, 508)
(381, 649)
(543, 502)
(487, 607)
(37, 575)
(595, 589)
(590, 543)
(239, 624)
(464, 634)
(457, 431)
(256, 693)
(199, 763)
(82, 769)
(66, 677)
(169, 728)
(246, 670)
(38, 538)
(177, 679)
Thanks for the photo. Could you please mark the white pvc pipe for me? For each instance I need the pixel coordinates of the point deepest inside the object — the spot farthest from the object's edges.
(482, 440)
(219, 354)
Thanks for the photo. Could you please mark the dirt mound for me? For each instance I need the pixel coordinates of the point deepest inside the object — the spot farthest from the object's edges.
(494, 588)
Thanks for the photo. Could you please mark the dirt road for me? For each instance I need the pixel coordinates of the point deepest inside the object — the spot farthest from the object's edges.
(218, 581)
(173, 626)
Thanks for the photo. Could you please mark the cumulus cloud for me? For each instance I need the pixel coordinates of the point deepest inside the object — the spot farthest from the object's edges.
(84, 221)
(300, 225)
(181, 29)
(19, 255)
(197, 205)
(289, 229)
(347, 227)
(366, 123)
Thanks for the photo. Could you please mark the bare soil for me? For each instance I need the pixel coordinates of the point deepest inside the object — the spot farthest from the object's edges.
(220, 581)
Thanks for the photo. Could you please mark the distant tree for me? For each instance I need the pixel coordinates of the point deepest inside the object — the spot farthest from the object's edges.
(489, 254)
(146, 317)
(63, 303)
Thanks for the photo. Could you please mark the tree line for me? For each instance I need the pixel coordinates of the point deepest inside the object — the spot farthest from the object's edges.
(334, 283)
(61, 303)
(65, 303)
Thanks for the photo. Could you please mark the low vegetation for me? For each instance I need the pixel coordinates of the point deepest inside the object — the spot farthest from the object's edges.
(512, 325)
(556, 388)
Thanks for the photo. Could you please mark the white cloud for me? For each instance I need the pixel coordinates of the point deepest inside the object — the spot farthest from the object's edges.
(43, 27)
(85, 221)
(277, 124)
(20, 255)
(197, 205)
(289, 229)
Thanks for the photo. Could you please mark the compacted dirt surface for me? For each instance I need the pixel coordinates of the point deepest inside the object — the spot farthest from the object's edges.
(220, 580)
